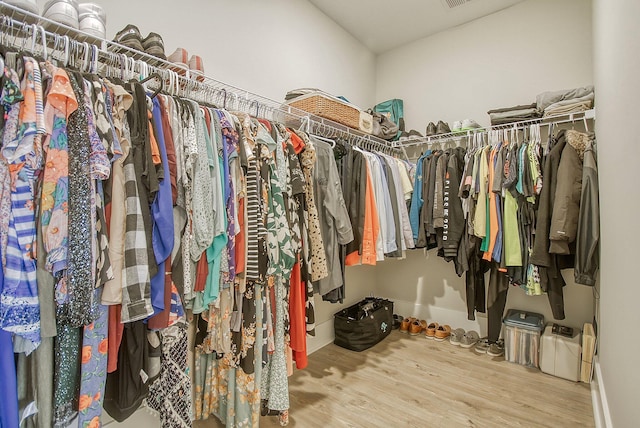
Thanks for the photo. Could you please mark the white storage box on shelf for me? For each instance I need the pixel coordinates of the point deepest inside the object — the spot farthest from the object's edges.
(522, 331)
(560, 355)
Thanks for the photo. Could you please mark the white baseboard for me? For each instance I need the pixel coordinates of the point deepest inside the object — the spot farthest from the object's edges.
(601, 413)
(324, 336)
(431, 313)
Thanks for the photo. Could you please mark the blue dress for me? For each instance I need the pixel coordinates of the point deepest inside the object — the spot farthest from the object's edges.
(9, 416)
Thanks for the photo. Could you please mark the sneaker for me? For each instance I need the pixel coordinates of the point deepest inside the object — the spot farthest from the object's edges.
(469, 124)
(404, 325)
(63, 11)
(154, 45)
(196, 67)
(130, 37)
(397, 321)
(456, 336)
(442, 332)
(93, 20)
(442, 128)
(482, 346)
(430, 331)
(180, 57)
(496, 349)
(431, 129)
(28, 5)
(416, 327)
(469, 339)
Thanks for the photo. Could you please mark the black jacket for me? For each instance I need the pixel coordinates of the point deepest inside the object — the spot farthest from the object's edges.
(453, 215)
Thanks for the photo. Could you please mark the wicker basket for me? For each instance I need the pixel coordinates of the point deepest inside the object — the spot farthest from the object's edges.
(335, 110)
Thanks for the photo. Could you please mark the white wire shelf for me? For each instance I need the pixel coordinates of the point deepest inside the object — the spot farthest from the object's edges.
(21, 25)
(459, 136)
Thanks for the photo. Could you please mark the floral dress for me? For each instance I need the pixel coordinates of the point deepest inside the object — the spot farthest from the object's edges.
(20, 308)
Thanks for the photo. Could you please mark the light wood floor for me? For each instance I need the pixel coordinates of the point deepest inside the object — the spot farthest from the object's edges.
(408, 381)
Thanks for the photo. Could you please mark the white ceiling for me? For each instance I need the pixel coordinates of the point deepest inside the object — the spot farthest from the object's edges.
(382, 25)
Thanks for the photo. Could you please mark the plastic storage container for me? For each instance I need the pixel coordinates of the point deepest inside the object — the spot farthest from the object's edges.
(560, 355)
(522, 337)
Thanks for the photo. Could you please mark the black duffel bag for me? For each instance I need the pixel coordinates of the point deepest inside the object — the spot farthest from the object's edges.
(364, 324)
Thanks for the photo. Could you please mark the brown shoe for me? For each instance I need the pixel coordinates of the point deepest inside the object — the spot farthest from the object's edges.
(415, 328)
(442, 332)
(430, 332)
(404, 325)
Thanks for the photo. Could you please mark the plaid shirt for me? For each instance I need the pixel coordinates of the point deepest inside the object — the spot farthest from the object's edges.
(136, 298)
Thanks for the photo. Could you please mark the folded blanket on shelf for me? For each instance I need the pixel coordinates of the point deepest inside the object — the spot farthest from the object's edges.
(574, 105)
(513, 114)
(546, 99)
(508, 109)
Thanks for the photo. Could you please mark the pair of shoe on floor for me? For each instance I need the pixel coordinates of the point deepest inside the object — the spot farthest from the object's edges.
(495, 349)
(472, 339)
(464, 339)
(415, 327)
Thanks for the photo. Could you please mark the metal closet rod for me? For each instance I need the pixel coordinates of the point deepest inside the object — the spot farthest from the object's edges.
(542, 121)
(112, 56)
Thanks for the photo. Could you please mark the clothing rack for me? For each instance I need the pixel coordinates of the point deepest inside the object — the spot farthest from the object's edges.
(518, 126)
(46, 38)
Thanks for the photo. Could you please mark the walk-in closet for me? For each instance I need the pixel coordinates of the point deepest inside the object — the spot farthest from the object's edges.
(318, 213)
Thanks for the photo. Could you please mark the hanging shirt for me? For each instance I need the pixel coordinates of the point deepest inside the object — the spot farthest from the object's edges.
(162, 212)
(19, 306)
(387, 235)
(334, 218)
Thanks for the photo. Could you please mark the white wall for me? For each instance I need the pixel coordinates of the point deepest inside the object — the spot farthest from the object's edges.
(266, 47)
(497, 61)
(616, 66)
(501, 60)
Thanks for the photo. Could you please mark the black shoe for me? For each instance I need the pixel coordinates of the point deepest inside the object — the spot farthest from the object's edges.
(442, 128)
(397, 320)
(431, 129)
(130, 37)
(154, 46)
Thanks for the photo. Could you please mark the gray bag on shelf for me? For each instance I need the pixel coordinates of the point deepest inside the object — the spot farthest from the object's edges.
(383, 127)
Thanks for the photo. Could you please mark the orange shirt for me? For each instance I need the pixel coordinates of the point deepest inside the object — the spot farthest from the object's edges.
(371, 228)
(155, 150)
